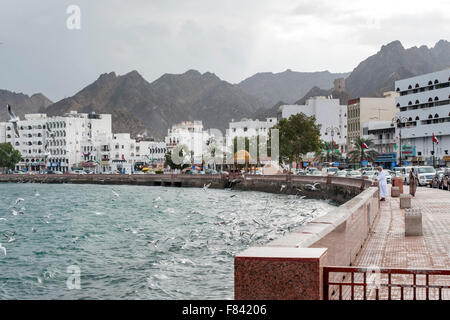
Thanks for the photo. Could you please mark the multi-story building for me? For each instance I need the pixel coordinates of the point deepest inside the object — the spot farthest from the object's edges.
(77, 141)
(362, 110)
(423, 109)
(57, 143)
(191, 135)
(382, 134)
(248, 128)
(30, 142)
(329, 113)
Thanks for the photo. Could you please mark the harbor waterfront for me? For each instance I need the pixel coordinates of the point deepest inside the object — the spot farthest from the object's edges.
(135, 242)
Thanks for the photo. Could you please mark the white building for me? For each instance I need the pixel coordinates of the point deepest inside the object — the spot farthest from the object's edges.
(328, 112)
(250, 128)
(382, 134)
(191, 135)
(151, 152)
(58, 143)
(423, 110)
(31, 140)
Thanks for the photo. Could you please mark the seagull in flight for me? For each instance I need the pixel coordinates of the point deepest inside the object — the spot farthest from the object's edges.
(10, 237)
(313, 186)
(13, 119)
(18, 200)
(206, 186)
(283, 186)
(15, 213)
(116, 194)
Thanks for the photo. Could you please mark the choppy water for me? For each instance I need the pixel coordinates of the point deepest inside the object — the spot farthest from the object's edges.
(149, 243)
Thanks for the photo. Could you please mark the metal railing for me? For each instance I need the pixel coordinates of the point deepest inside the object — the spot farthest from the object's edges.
(373, 283)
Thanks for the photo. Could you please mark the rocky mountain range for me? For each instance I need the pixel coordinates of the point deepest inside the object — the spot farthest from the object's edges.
(157, 105)
(137, 105)
(22, 103)
(288, 86)
(378, 73)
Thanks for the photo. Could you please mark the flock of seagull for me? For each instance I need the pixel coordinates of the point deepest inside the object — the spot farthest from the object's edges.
(15, 211)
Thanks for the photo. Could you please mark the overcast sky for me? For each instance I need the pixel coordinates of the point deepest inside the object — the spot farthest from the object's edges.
(233, 39)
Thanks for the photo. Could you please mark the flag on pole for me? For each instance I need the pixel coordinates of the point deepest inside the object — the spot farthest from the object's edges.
(364, 145)
(435, 140)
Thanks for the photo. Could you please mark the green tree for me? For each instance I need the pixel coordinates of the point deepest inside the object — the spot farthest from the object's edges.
(9, 156)
(328, 152)
(360, 152)
(298, 135)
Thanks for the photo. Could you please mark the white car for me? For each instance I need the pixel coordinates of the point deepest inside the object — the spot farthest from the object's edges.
(78, 172)
(331, 170)
(315, 173)
(425, 174)
(354, 174)
(341, 173)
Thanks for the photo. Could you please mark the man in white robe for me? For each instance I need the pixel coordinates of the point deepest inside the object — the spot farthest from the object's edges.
(382, 184)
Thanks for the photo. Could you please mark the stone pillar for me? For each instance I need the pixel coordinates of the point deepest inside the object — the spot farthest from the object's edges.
(279, 273)
(398, 182)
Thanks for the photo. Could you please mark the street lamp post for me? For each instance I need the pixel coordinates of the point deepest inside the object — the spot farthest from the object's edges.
(399, 120)
(332, 130)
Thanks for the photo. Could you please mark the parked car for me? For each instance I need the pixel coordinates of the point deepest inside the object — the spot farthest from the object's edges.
(78, 172)
(211, 171)
(331, 170)
(437, 180)
(354, 174)
(445, 181)
(341, 173)
(425, 175)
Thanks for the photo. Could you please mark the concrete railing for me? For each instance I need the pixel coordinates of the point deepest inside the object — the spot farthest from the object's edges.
(333, 239)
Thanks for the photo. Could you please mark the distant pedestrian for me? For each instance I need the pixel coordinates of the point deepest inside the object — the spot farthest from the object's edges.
(382, 184)
(413, 180)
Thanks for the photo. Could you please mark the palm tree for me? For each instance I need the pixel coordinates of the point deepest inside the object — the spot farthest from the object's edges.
(328, 152)
(362, 149)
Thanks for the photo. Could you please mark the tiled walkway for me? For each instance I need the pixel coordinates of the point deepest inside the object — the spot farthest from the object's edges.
(388, 247)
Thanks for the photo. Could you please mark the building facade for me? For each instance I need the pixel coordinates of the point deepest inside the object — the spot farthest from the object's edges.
(382, 134)
(190, 135)
(362, 110)
(248, 128)
(329, 113)
(423, 109)
(76, 141)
